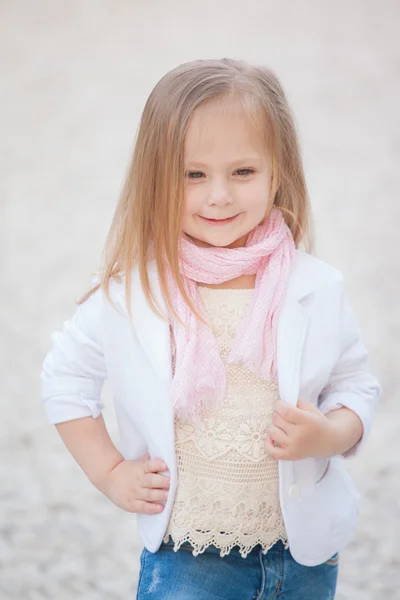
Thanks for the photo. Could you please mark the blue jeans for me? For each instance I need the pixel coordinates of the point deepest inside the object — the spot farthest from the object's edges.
(169, 575)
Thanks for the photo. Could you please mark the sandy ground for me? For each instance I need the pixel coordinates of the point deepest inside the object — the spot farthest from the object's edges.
(74, 77)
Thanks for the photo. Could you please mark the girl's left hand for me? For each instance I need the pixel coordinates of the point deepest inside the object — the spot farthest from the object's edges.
(300, 431)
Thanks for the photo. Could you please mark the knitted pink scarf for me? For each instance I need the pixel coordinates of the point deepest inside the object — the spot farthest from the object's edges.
(200, 379)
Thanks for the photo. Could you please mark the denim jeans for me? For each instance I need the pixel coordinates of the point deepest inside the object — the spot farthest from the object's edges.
(169, 575)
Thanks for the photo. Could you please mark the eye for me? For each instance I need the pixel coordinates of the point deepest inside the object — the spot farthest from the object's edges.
(245, 172)
(194, 174)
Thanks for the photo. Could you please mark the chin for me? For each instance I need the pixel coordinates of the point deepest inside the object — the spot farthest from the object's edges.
(221, 241)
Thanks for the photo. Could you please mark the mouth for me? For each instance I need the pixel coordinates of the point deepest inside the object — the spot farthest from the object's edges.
(219, 222)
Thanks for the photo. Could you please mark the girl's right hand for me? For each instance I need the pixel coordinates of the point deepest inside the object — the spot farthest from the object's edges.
(136, 485)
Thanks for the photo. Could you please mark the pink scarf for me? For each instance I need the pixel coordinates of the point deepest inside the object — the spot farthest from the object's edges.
(200, 379)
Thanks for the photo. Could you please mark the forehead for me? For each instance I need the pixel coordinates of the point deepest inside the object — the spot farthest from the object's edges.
(223, 127)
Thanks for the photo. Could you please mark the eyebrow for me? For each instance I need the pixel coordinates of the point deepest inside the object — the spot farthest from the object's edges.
(245, 160)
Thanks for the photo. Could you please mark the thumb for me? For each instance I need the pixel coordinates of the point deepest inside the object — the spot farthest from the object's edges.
(306, 405)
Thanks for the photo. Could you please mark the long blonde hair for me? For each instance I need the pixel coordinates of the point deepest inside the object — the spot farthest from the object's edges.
(147, 220)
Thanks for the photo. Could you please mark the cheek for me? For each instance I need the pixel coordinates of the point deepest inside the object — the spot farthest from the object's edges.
(257, 205)
(191, 202)
(191, 207)
(257, 194)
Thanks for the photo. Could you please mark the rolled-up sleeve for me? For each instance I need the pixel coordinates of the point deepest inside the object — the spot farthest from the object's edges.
(351, 385)
(74, 369)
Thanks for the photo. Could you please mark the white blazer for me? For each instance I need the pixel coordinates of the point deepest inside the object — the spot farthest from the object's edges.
(320, 358)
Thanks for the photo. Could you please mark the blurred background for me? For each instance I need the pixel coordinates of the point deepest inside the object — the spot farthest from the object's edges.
(74, 79)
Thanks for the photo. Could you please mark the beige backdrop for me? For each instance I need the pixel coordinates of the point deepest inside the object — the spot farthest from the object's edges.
(74, 77)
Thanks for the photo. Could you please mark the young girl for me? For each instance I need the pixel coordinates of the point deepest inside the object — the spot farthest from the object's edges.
(239, 378)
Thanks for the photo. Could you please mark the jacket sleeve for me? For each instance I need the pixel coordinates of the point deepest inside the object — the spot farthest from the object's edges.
(74, 369)
(351, 385)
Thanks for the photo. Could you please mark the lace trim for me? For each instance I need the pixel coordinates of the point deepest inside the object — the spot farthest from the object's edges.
(244, 550)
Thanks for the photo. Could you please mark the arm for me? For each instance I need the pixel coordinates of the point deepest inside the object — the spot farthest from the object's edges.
(74, 369)
(72, 378)
(137, 486)
(341, 422)
(88, 441)
(351, 395)
(347, 430)
(71, 382)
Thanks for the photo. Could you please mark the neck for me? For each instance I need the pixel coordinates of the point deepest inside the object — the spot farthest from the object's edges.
(242, 282)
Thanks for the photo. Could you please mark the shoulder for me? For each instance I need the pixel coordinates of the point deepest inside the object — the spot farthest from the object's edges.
(307, 264)
(310, 273)
(89, 314)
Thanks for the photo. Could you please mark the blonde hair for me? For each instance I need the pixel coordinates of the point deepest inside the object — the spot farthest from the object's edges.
(147, 220)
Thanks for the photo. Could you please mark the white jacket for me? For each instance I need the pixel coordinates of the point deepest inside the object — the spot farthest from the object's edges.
(320, 358)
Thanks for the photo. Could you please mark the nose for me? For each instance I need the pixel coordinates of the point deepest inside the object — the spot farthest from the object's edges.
(219, 194)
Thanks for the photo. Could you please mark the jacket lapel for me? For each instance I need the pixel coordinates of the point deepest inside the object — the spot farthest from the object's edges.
(292, 330)
(152, 331)
(293, 325)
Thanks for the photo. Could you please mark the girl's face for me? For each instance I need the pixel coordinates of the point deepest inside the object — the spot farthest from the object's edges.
(227, 176)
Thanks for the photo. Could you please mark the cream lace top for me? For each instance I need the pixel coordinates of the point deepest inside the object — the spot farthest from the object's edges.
(227, 492)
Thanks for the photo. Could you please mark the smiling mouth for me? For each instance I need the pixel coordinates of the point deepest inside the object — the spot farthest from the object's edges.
(219, 221)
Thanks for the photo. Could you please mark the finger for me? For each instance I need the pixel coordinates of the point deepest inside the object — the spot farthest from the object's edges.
(274, 451)
(152, 480)
(148, 508)
(308, 406)
(292, 414)
(280, 422)
(150, 495)
(154, 465)
(277, 435)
